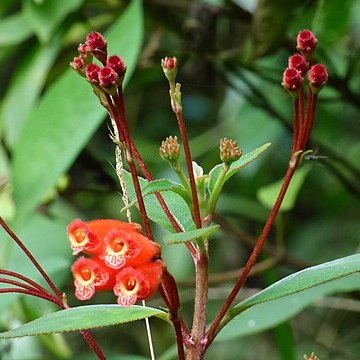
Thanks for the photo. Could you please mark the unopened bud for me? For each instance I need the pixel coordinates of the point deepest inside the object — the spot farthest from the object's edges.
(299, 63)
(170, 149)
(116, 63)
(97, 45)
(108, 78)
(306, 42)
(92, 73)
(169, 65)
(229, 151)
(292, 81)
(318, 76)
(78, 65)
(83, 49)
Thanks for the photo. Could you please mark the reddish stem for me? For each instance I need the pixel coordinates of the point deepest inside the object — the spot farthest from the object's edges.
(120, 122)
(296, 102)
(159, 197)
(90, 340)
(185, 140)
(24, 278)
(310, 122)
(31, 258)
(304, 125)
(214, 328)
(31, 289)
(301, 102)
(29, 292)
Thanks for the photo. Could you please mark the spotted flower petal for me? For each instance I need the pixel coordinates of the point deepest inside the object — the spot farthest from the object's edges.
(88, 276)
(82, 238)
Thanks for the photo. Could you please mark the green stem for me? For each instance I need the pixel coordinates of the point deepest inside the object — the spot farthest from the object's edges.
(217, 189)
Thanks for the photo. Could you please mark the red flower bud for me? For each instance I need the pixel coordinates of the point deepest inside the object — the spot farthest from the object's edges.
(92, 73)
(83, 49)
(306, 41)
(318, 77)
(169, 66)
(133, 284)
(78, 64)
(108, 78)
(89, 275)
(97, 45)
(298, 62)
(116, 63)
(292, 81)
(95, 41)
(82, 238)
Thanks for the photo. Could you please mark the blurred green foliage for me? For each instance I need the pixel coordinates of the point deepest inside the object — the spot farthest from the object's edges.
(56, 158)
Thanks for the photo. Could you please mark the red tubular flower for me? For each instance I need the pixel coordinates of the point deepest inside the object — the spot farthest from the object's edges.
(92, 73)
(292, 81)
(318, 76)
(82, 238)
(306, 42)
(102, 226)
(89, 275)
(299, 63)
(128, 248)
(133, 284)
(117, 64)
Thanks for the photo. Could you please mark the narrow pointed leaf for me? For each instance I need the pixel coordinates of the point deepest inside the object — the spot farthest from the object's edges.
(83, 317)
(177, 238)
(235, 166)
(290, 295)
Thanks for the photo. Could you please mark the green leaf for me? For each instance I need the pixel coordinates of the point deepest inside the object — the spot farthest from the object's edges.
(290, 295)
(66, 118)
(268, 194)
(83, 317)
(174, 201)
(14, 29)
(29, 79)
(161, 185)
(235, 166)
(46, 16)
(177, 238)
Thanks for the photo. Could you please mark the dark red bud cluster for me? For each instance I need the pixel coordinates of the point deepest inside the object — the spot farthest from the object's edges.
(106, 78)
(299, 65)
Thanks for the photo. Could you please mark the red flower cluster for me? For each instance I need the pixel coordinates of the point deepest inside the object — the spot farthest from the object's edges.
(300, 64)
(121, 258)
(108, 76)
